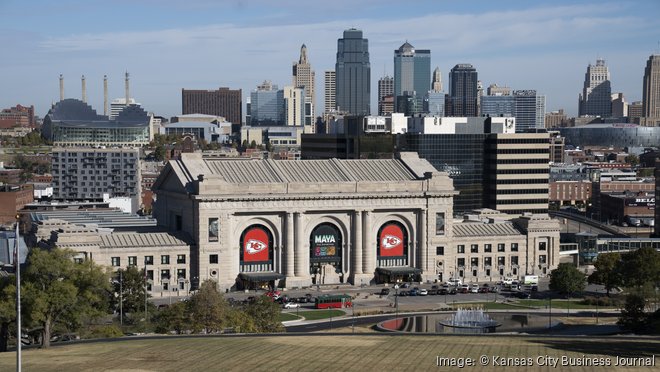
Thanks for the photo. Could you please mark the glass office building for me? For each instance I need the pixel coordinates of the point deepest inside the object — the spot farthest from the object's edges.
(353, 74)
(460, 155)
(616, 135)
(267, 107)
(412, 77)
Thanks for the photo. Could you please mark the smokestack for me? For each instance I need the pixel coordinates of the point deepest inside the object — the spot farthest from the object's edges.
(126, 85)
(61, 88)
(84, 89)
(105, 95)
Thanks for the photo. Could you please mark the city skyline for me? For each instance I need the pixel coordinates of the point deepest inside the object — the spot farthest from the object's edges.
(203, 45)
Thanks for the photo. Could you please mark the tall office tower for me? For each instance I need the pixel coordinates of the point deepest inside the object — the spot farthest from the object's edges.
(517, 172)
(223, 102)
(596, 96)
(385, 94)
(353, 73)
(434, 101)
(529, 110)
(303, 77)
(412, 78)
(436, 85)
(294, 106)
(496, 90)
(267, 105)
(619, 105)
(462, 97)
(651, 93)
(330, 102)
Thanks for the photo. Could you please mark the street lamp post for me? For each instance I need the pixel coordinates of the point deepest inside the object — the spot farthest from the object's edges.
(396, 301)
(121, 299)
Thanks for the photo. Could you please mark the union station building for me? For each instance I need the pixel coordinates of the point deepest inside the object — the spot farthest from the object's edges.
(281, 223)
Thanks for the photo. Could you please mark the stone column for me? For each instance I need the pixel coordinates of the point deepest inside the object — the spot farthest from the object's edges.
(422, 246)
(356, 254)
(289, 246)
(368, 249)
(300, 253)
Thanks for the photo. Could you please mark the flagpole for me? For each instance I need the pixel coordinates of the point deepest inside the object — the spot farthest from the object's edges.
(17, 262)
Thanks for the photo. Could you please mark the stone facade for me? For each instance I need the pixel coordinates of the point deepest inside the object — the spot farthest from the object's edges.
(303, 218)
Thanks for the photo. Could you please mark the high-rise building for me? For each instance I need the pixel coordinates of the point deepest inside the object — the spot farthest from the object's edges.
(412, 77)
(353, 73)
(330, 91)
(95, 174)
(635, 112)
(556, 119)
(619, 105)
(21, 116)
(462, 99)
(434, 102)
(517, 172)
(303, 77)
(596, 96)
(294, 106)
(385, 95)
(525, 105)
(266, 105)
(651, 93)
(530, 110)
(223, 102)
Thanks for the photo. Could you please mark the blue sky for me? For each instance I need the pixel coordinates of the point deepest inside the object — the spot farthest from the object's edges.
(167, 45)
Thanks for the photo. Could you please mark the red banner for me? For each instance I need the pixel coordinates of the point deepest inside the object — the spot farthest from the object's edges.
(255, 245)
(390, 241)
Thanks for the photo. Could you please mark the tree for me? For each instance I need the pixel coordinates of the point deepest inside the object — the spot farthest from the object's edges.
(59, 291)
(174, 317)
(640, 269)
(567, 279)
(129, 286)
(7, 309)
(159, 153)
(607, 271)
(253, 144)
(633, 316)
(208, 309)
(265, 313)
(632, 160)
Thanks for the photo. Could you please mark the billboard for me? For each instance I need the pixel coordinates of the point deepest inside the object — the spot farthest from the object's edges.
(392, 240)
(325, 243)
(256, 244)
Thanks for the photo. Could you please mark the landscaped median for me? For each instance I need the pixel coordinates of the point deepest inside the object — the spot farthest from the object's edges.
(311, 315)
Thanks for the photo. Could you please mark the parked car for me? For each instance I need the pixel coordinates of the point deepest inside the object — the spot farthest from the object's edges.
(464, 288)
(455, 282)
(443, 291)
(291, 305)
(523, 295)
(494, 289)
(405, 285)
(414, 292)
(433, 292)
(423, 292)
(484, 288)
(452, 291)
(474, 288)
(384, 291)
(403, 293)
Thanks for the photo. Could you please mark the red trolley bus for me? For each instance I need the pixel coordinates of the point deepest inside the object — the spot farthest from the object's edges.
(333, 301)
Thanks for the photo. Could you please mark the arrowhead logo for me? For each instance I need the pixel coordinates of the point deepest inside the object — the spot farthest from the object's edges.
(254, 246)
(390, 241)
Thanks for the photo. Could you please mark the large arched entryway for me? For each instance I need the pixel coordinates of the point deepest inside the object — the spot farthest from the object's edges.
(325, 254)
(256, 258)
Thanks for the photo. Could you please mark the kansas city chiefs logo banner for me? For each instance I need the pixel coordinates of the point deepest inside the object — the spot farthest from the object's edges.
(391, 241)
(255, 245)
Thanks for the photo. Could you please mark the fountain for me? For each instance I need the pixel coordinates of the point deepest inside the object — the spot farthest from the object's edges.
(470, 321)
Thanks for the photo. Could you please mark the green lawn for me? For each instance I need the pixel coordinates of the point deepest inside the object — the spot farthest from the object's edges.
(489, 305)
(321, 314)
(284, 317)
(559, 304)
(324, 352)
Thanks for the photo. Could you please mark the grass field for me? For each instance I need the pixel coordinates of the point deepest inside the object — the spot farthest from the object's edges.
(322, 352)
(285, 317)
(559, 304)
(321, 314)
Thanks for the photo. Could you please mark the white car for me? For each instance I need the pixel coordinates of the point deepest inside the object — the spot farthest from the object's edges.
(423, 292)
(291, 305)
(474, 288)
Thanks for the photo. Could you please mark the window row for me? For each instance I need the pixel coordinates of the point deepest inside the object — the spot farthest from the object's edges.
(148, 260)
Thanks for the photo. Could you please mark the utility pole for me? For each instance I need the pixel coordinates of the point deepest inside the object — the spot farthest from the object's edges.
(121, 299)
(17, 262)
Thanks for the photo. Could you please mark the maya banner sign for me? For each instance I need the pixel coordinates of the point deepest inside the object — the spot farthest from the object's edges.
(391, 241)
(325, 242)
(256, 245)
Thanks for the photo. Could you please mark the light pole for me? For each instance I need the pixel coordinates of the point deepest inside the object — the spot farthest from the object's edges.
(17, 262)
(121, 299)
(396, 302)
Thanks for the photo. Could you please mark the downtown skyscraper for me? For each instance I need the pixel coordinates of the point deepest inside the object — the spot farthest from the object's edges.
(353, 74)
(385, 95)
(462, 99)
(303, 77)
(412, 78)
(596, 96)
(651, 93)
